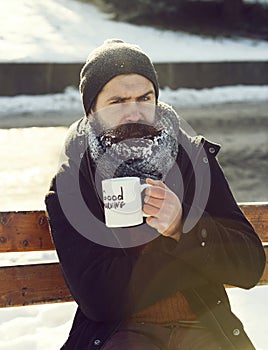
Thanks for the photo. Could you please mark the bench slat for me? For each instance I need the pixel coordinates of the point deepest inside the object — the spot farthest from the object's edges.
(257, 214)
(32, 284)
(43, 283)
(24, 231)
(29, 231)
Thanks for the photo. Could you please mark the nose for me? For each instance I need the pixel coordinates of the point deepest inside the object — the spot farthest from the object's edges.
(132, 113)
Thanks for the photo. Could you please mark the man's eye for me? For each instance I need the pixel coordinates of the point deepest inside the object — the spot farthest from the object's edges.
(145, 98)
(117, 101)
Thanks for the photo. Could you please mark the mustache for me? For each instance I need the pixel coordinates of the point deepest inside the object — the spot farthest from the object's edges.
(129, 131)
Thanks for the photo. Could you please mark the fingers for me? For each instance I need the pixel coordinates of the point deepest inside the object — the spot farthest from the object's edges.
(152, 201)
(157, 190)
(163, 207)
(152, 206)
(150, 210)
(156, 224)
(157, 197)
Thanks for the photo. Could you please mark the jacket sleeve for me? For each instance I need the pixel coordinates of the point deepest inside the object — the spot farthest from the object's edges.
(221, 244)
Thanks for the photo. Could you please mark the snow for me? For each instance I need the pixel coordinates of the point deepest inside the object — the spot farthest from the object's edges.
(226, 94)
(66, 31)
(35, 327)
(45, 327)
(70, 99)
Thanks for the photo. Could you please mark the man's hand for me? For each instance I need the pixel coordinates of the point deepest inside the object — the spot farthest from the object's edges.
(164, 208)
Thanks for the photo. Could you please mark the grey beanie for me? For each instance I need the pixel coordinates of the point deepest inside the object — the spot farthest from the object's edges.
(113, 58)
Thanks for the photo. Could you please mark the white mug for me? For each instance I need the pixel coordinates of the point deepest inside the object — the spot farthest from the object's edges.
(122, 201)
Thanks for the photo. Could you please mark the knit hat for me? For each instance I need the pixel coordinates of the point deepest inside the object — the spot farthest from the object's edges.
(113, 58)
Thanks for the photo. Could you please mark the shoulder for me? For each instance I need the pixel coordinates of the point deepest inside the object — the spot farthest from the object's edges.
(210, 147)
(75, 141)
(196, 147)
(75, 132)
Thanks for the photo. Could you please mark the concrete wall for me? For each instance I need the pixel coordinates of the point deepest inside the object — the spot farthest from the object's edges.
(208, 74)
(43, 78)
(37, 78)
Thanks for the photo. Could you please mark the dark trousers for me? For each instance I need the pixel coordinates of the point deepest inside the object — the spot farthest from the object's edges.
(142, 336)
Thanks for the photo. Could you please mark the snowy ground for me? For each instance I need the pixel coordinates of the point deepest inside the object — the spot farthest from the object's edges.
(46, 327)
(65, 31)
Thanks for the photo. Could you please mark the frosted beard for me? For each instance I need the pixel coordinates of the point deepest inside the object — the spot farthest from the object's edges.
(136, 149)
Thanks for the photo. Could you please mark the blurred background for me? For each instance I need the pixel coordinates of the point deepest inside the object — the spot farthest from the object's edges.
(247, 18)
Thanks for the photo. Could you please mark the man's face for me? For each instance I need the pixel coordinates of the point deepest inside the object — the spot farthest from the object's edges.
(128, 98)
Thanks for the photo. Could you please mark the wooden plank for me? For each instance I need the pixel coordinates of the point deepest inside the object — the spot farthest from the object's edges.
(29, 231)
(32, 284)
(44, 283)
(257, 214)
(24, 231)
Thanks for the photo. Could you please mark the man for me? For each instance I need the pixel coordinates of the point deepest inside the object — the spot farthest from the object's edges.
(158, 285)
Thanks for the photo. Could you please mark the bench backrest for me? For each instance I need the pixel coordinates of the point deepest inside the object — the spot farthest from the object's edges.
(43, 283)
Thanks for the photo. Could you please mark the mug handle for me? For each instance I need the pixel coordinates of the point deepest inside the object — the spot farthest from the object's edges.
(143, 186)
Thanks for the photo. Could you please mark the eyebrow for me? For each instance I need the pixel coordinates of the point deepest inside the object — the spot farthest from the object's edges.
(117, 97)
(146, 93)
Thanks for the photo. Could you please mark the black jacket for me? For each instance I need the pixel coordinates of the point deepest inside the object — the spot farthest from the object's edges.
(218, 246)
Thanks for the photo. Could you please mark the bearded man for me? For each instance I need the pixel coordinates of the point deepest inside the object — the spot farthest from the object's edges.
(160, 284)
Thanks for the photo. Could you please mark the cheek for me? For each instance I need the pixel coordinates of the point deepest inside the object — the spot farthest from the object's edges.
(107, 119)
(148, 111)
(150, 118)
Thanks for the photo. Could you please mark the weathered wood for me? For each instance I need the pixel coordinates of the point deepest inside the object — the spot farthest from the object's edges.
(43, 283)
(29, 231)
(24, 231)
(257, 214)
(32, 284)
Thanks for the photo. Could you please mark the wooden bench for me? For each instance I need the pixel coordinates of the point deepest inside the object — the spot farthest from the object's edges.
(43, 283)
